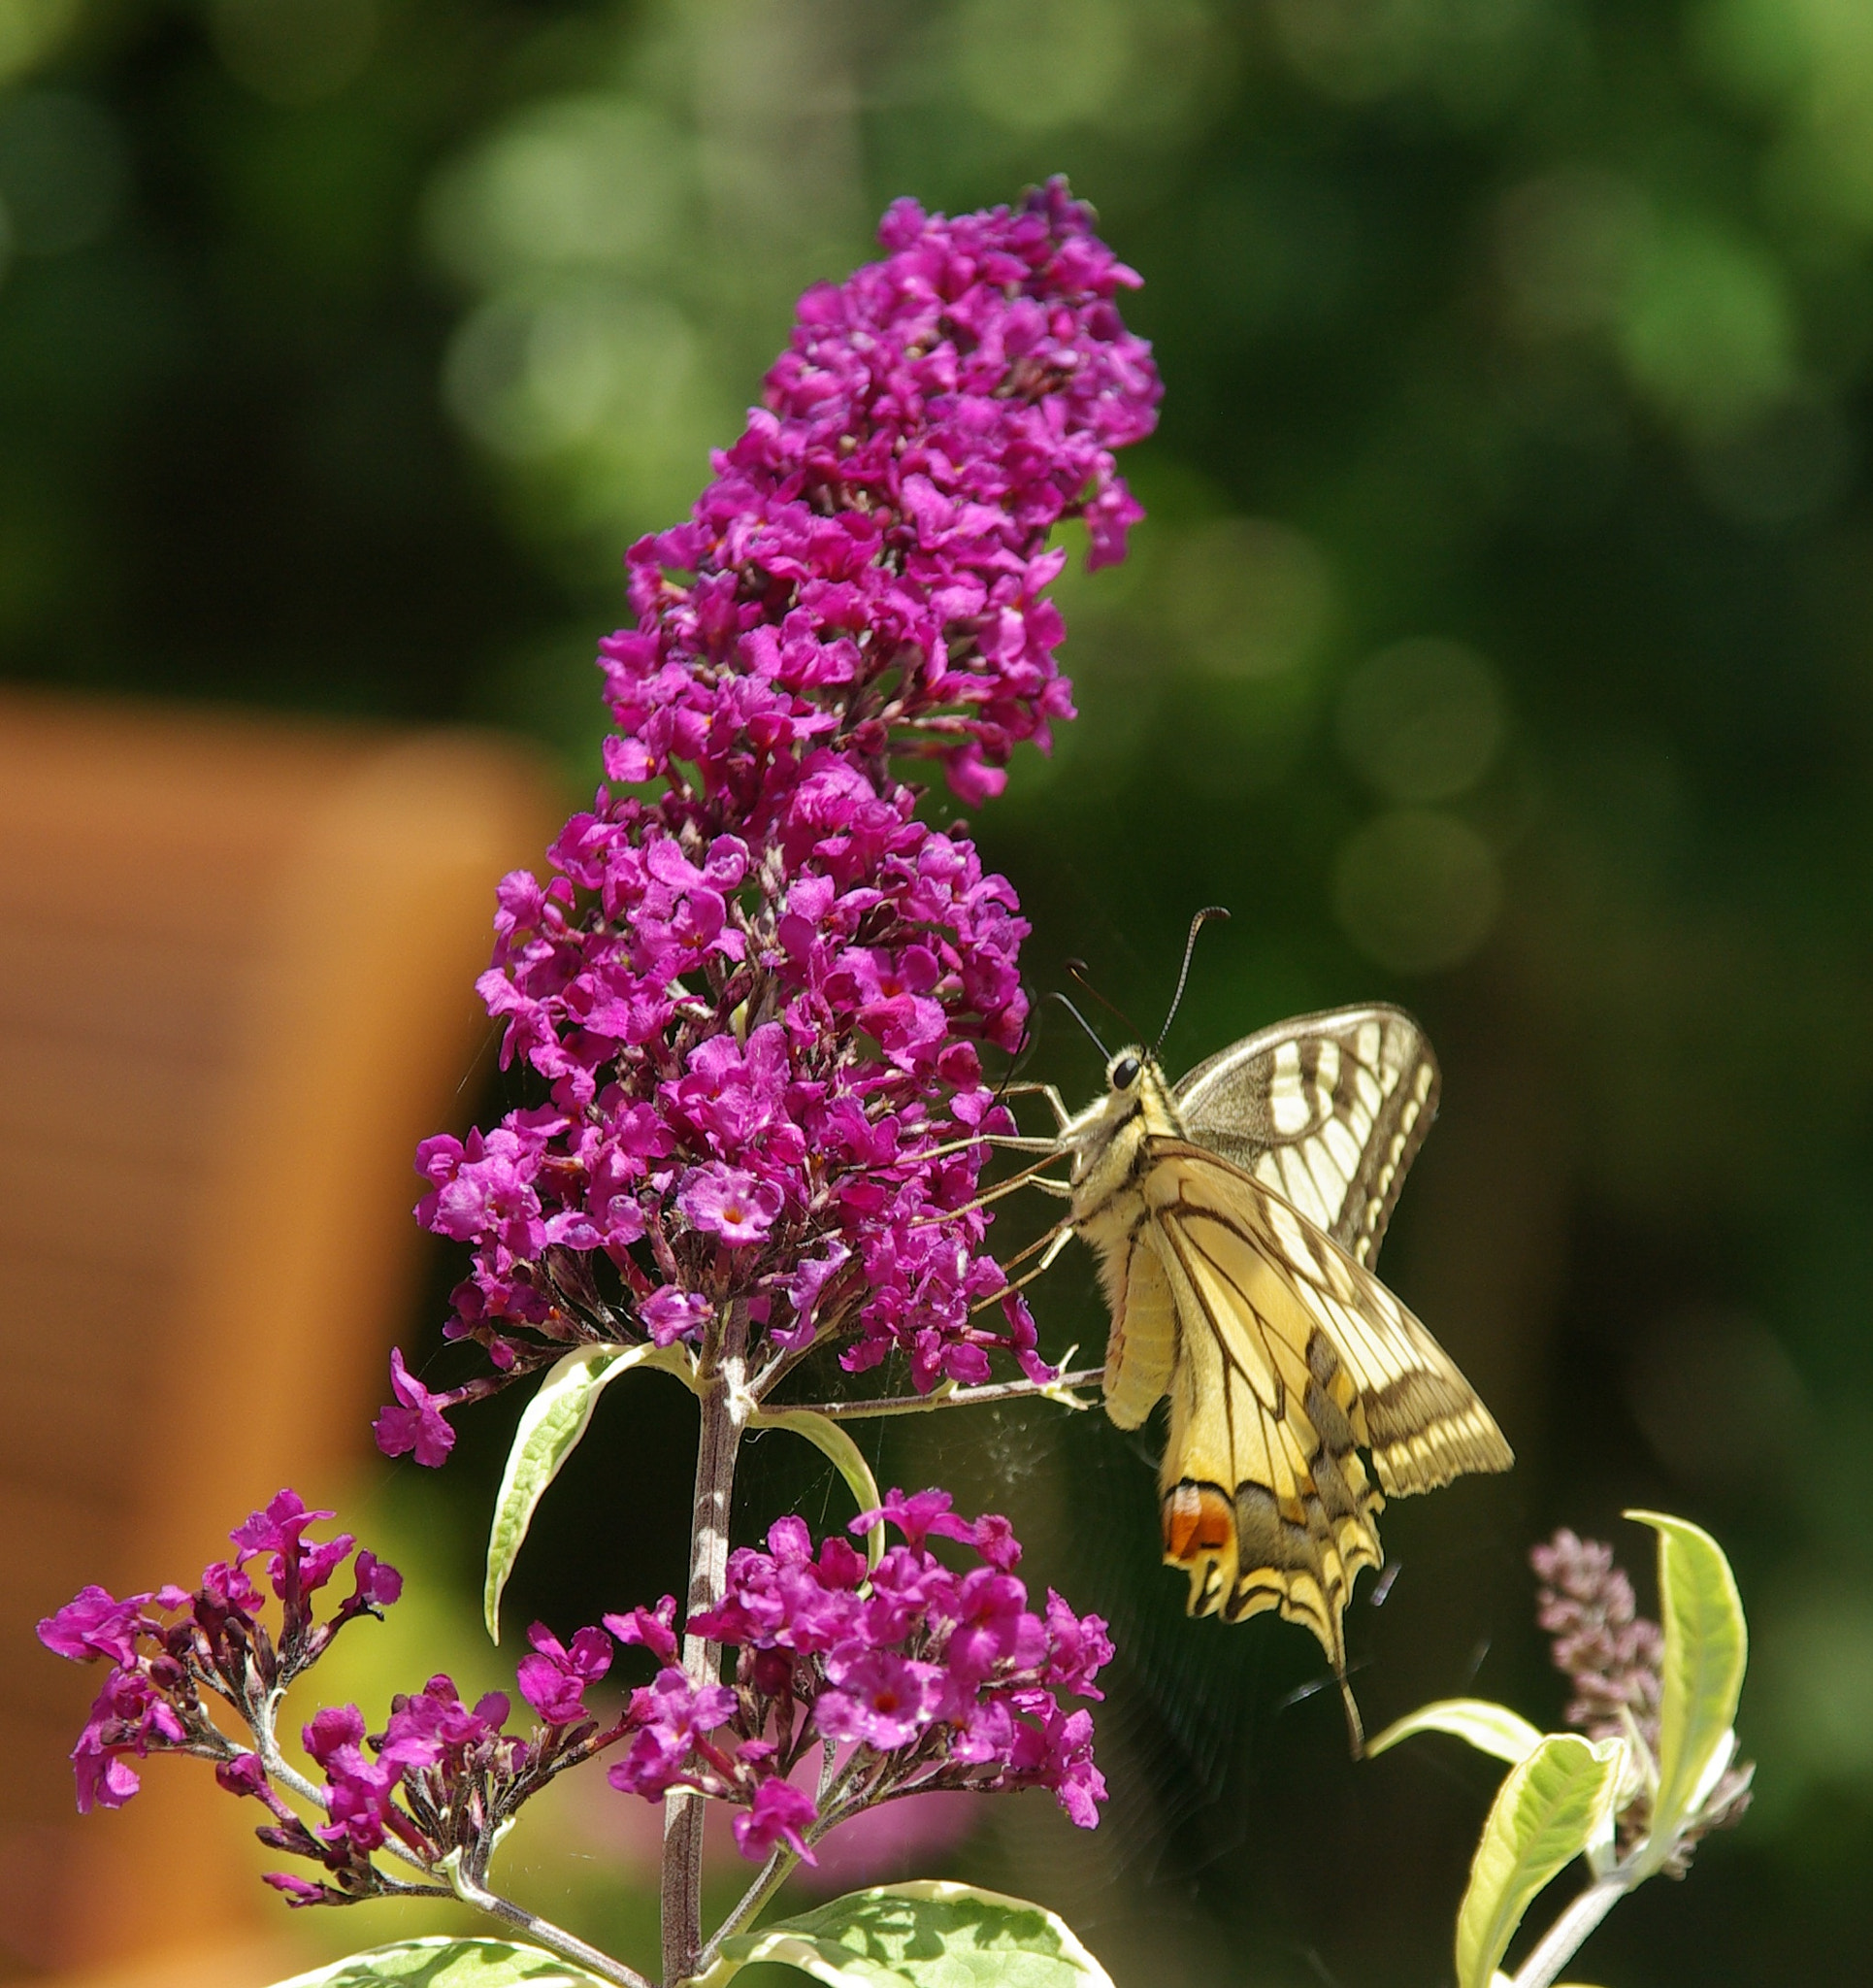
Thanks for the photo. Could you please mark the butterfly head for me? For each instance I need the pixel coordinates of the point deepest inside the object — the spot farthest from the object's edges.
(1126, 1072)
(1103, 1139)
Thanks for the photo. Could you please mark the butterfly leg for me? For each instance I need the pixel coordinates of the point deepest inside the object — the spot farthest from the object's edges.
(1062, 1235)
(1029, 1177)
(1053, 1242)
(1055, 1102)
(1004, 1142)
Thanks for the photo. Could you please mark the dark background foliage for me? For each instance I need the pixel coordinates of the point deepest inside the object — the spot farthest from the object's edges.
(1501, 641)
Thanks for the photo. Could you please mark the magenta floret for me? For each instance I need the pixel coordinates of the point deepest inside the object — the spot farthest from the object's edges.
(755, 986)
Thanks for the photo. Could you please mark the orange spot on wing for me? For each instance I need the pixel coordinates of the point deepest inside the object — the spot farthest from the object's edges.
(1198, 1520)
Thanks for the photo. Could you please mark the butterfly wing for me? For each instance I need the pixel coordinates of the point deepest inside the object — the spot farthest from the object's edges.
(1290, 1357)
(1328, 1110)
(1265, 1501)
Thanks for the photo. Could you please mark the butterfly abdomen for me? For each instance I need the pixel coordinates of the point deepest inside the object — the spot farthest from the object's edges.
(1141, 1348)
(1111, 1215)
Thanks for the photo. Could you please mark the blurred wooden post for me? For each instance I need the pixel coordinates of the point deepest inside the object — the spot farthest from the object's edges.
(236, 988)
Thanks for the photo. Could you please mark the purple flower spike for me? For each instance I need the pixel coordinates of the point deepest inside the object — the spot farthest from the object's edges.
(172, 1651)
(1614, 1658)
(930, 1679)
(755, 988)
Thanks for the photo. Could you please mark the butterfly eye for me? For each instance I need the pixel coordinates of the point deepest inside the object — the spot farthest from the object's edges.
(1124, 1072)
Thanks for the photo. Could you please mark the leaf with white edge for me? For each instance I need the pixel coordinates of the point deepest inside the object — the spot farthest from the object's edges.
(549, 1431)
(1491, 1729)
(441, 1961)
(1503, 1982)
(1545, 1813)
(1706, 1650)
(844, 1455)
(924, 1935)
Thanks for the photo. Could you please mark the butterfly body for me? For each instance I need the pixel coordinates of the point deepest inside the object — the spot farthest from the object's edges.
(1234, 1216)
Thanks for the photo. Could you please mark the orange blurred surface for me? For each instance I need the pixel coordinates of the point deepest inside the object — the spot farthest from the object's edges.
(236, 988)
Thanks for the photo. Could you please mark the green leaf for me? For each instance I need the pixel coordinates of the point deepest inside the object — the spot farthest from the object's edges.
(1545, 1813)
(1503, 1982)
(1490, 1728)
(831, 1442)
(442, 1962)
(927, 1934)
(1706, 1650)
(549, 1432)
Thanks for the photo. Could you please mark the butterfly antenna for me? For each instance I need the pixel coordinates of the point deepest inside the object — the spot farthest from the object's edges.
(1056, 995)
(1083, 974)
(1022, 1050)
(1197, 924)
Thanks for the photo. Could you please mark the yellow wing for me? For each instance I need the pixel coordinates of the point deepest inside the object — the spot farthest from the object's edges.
(1284, 1357)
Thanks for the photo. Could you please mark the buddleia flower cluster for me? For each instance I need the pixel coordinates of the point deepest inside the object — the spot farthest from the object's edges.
(754, 990)
(1614, 1657)
(897, 1680)
(908, 1678)
(749, 1004)
(174, 1654)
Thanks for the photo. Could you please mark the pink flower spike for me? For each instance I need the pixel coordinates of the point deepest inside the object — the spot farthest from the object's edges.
(756, 987)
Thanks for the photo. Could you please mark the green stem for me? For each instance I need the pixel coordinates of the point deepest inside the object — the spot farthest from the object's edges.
(774, 1874)
(722, 1385)
(543, 1932)
(1566, 1936)
(1057, 1390)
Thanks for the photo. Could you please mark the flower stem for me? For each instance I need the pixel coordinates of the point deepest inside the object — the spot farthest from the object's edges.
(1055, 1390)
(1565, 1936)
(543, 1932)
(721, 1384)
(774, 1874)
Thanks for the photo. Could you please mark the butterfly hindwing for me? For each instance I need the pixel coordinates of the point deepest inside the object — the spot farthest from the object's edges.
(1266, 1501)
(1328, 1110)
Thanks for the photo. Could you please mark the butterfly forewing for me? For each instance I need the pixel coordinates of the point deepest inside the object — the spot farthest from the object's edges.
(1328, 1111)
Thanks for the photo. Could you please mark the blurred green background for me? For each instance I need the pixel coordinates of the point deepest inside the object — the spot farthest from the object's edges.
(1500, 642)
